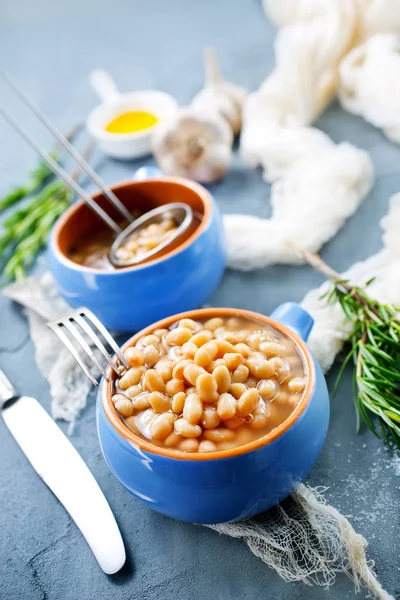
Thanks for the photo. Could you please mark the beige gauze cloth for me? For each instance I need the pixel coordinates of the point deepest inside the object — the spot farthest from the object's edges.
(303, 538)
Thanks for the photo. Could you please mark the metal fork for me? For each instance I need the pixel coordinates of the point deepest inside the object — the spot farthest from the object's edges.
(78, 324)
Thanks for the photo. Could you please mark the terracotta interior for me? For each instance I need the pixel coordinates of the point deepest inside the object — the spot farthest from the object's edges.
(79, 220)
(206, 313)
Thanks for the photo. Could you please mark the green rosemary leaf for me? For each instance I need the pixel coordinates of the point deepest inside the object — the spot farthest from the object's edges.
(393, 333)
(363, 405)
(365, 353)
(378, 333)
(384, 313)
(375, 350)
(25, 233)
(385, 415)
(393, 415)
(372, 316)
(370, 392)
(357, 399)
(37, 178)
(392, 375)
(379, 381)
(371, 337)
(346, 361)
(367, 283)
(380, 353)
(345, 307)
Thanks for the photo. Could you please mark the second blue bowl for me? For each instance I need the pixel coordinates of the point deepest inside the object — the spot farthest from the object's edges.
(132, 298)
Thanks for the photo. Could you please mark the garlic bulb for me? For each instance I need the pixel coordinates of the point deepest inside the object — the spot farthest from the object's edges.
(193, 144)
(219, 95)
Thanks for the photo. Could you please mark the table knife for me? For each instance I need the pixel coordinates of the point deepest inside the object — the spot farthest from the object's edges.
(60, 466)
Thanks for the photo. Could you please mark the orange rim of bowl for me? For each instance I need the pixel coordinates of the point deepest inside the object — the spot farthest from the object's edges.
(70, 212)
(138, 442)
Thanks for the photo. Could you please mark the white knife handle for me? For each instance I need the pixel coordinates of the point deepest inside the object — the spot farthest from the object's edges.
(57, 462)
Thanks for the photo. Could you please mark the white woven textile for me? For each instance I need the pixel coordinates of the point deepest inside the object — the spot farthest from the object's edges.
(369, 83)
(349, 47)
(321, 189)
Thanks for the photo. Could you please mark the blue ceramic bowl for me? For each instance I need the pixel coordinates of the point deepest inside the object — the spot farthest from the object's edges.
(228, 485)
(132, 298)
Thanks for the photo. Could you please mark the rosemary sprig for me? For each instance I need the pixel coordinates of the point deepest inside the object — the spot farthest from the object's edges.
(26, 231)
(37, 177)
(375, 351)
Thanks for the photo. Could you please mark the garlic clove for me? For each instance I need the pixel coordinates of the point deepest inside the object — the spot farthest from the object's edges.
(219, 95)
(194, 144)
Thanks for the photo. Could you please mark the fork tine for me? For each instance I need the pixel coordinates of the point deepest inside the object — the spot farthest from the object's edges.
(74, 331)
(96, 340)
(85, 312)
(56, 327)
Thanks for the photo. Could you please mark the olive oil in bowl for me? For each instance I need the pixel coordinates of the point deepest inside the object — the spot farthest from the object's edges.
(131, 122)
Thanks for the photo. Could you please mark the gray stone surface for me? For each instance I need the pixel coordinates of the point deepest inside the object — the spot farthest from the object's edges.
(50, 48)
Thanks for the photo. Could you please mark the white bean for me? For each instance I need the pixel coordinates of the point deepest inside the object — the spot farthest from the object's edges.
(186, 429)
(193, 408)
(162, 426)
(124, 406)
(172, 440)
(237, 389)
(154, 381)
(240, 374)
(210, 418)
(223, 378)
(159, 402)
(297, 384)
(226, 406)
(207, 388)
(202, 337)
(178, 336)
(219, 435)
(233, 360)
(207, 446)
(131, 377)
(178, 402)
(189, 445)
(205, 354)
(141, 402)
(213, 323)
(268, 388)
(192, 372)
(134, 357)
(248, 401)
(151, 355)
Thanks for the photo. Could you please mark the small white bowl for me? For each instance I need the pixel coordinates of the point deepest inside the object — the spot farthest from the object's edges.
(125, 145)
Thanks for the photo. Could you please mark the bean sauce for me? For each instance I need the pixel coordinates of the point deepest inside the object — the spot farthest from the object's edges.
(213, 385)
